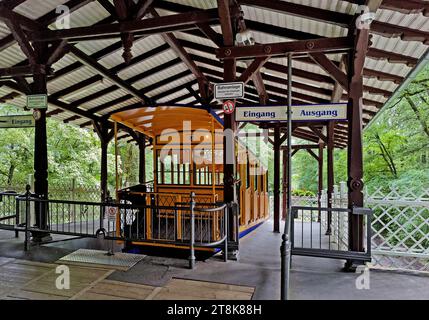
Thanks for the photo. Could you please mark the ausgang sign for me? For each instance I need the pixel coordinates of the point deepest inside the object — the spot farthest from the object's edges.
(320, 112)
(17, 121)
(230, 90)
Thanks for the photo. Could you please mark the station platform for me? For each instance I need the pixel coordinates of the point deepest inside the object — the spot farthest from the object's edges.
(255, 276)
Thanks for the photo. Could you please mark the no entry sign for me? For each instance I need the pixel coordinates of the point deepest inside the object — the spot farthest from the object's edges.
(228, 107)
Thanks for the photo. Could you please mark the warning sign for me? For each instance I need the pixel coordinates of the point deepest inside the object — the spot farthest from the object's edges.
(111, 213)
(228, 107)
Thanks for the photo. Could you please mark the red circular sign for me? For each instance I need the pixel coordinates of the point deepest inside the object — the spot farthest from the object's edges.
(228, 107)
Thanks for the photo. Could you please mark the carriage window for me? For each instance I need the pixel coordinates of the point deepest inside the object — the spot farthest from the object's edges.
(256, 177)
(173, 168)
(248, 173)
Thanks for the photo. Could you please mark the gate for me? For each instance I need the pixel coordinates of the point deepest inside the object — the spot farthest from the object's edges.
(324, 233)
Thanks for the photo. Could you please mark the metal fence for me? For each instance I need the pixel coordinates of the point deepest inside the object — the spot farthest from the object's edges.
(186, 224)
(68, 190)
(319, 232)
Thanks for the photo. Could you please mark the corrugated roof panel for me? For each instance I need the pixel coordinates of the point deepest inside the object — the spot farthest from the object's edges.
(391, 68)
(198, 40)
(171, 85)
(413, 21)
(409, 48)
(36, 9)
(4, 30)
(70, 79)
(85, 16)
(120, 105)
(174, 96)
(148, 64)
(384, 85)
(93, 46)
(159, 76)
(65, 61)
(11, 56)
(139, 47)
(187, 101)
(91, 89)
(105, 99)
(201, 4)
(293, 22)
(332, 5)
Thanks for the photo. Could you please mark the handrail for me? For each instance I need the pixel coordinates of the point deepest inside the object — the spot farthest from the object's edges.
(130, 221)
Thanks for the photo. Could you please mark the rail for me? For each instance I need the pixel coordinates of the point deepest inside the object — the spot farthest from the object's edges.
(321, 232)
(187, 224)
(8, 214)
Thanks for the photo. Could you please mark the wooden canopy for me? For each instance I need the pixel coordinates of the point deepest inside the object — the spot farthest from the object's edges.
(120, 54)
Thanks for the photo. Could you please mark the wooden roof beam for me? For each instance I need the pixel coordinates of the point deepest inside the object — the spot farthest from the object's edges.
(331, 69)
(373, 52)
(340, 19)
(407, 7)
(282, 48)
(149, 26)
(308, 12)
(181, 52)
(46, 20)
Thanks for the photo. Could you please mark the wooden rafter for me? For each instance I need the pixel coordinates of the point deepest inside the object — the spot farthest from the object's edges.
(337, 18)
(146, 26)
(330, 68)
(281, 49)
(180, 51)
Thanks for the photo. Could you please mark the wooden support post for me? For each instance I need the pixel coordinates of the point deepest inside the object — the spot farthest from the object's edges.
(276, 179)
(102, 130)
(355, 152)
(355, 165)
(40, 160)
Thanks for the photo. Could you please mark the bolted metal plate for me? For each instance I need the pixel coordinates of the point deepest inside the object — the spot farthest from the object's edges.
(99, 257)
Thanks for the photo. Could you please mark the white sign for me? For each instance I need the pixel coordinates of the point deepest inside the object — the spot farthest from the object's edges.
(17, 121)
(112, 213)
(231, 90)
(37, 101)
(322, 112)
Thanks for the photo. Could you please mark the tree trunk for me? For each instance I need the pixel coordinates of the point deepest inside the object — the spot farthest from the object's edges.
(418, 115)
(10, 174)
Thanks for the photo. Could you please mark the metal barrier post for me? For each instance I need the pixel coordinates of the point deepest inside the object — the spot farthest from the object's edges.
(27, 216)
(192, 237)
(17, 218)
(225, 244)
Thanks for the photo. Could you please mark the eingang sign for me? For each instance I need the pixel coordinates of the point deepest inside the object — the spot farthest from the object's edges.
(319, 112)
(18, 121)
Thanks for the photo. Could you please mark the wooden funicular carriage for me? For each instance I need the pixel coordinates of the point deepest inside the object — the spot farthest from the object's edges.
(188, 158)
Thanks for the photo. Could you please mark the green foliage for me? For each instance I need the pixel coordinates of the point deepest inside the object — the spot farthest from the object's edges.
(303, 193)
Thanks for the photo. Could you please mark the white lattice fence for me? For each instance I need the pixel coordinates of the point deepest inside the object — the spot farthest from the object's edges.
(400, 229)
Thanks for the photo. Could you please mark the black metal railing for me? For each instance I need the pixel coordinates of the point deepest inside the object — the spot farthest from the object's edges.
(187, 224)
(8, 213)
(324, 232)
